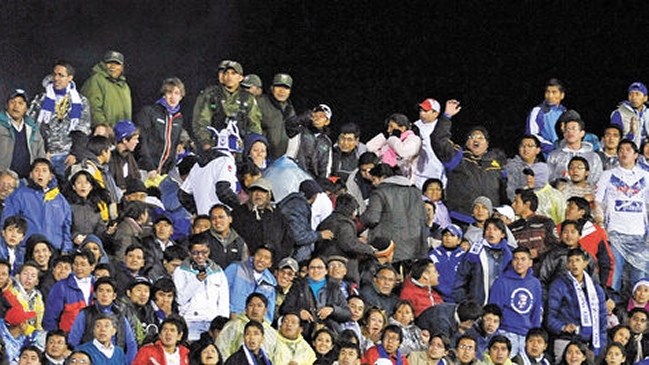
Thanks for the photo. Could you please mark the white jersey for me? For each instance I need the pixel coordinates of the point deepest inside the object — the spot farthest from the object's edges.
(428, 165)
(624, 195)
(201, 181)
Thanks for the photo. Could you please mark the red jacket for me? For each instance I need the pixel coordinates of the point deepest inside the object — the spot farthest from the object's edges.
(153, 354)
(419, 296)
(372, 355)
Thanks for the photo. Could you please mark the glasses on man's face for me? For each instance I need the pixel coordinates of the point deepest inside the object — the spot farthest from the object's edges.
(477, 136)
(466, 347)
(199, 252)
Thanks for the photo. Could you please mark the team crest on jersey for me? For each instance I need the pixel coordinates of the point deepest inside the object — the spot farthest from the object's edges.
(522, 300)
(626, 189)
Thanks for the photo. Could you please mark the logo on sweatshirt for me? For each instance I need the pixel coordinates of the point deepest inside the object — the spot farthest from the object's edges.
(522, 300)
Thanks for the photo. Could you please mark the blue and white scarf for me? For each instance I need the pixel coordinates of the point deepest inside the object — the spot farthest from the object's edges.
(588, 308)
(49, 105)
(384, 355)
(252, 360)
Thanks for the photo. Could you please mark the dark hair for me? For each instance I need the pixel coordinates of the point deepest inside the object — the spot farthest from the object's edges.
(536, 140)
(638, 310)
(469, 310)
(394, 329)
(382, 170)
(367, 158)
(177, 321)
(348, 336)
(134, 209)
(135, 246)
(84, 252)
(346, 204)
(616, 127)
(618, 345)
(630, 143)
(164, 285)
(581, 346)
(256, 324)
(400, 303)
(98, 144)
(582, 160)
(480, 129)
(34, 240)
(260, 296)
(419, 267)
(247, 167)
(445, 340)
(350, 345)
(218, 323)
(105, 266)
(522, 249)
(200, 217)
(492, 309)
(33, 348)
(324, 330)
(4, 262)
(264, 247)
(556, 83)
(175, 252)
(68, 67)
(56, 332)
(67, 361)
(63, 259)
(96, 196)
(500, 339)
(43, 161)
(202, 238)
(221, 206)
(577, 224)
(30, 263)
(578, 252)
(571, 116)
(537, 332)
(433, 180)
(105, 280)
(195, 355)
(18, 221)
(496, 222)
(349, 128)
(528, 195)
(582, 204)
(399, 119)
(466, 337)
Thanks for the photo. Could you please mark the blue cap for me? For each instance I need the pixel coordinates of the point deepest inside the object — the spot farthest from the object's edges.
(454, 229)
(638, 86)
(123, 129)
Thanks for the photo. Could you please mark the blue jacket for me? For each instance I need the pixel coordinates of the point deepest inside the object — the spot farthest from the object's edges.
(563, 308)
(520, 300)
(470, 281)
(98, 358)
(47, 213)
(446, 262)
(63, 304)
(297, 211)
(20, 255)
(541, 123)
(241, 281)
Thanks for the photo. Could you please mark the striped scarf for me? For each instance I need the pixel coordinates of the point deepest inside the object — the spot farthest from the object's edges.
(50, 106)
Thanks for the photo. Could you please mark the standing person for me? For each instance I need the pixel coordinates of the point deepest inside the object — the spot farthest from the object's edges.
(623, 193)
(63, 115)
(395, 210)
(43, 206)
(168, 349)
(122, 164)
(161, 127)
(576, 306)
(316, 148)
(107, 91)
(20, 138)
(276, 108)
(610, 141)
(520, 296)
(574, 130)
(202, 289)
(536, 232)
(447, 259)
(472, 170)
(543, 118)
(631, 114)
(428, 165)
(220, 105)
(398, 145)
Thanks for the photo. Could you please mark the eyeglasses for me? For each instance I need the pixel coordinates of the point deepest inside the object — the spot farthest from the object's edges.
(528, 145)
(477, 136)
(466, 347)
(197, 253)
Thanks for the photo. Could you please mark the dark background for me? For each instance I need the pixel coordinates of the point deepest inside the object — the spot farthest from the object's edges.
(366, 59)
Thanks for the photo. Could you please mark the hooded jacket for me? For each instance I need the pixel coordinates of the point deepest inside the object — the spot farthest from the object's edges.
(520, 299)
(159, 132)
(395, 210)
(558, 161)
(110, 99)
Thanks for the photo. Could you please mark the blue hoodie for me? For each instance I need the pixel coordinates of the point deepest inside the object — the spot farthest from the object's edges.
(521, 300)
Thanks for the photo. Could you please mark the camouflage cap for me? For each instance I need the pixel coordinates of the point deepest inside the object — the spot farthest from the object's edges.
(114, 56)
(283, 80)
(236, 66)
(252, 80)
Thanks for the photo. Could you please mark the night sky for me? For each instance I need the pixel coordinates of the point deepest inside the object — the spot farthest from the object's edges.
(366, 59)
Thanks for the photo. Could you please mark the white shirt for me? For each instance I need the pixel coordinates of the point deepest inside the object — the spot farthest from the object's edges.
(108, 351)
(624, 194)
